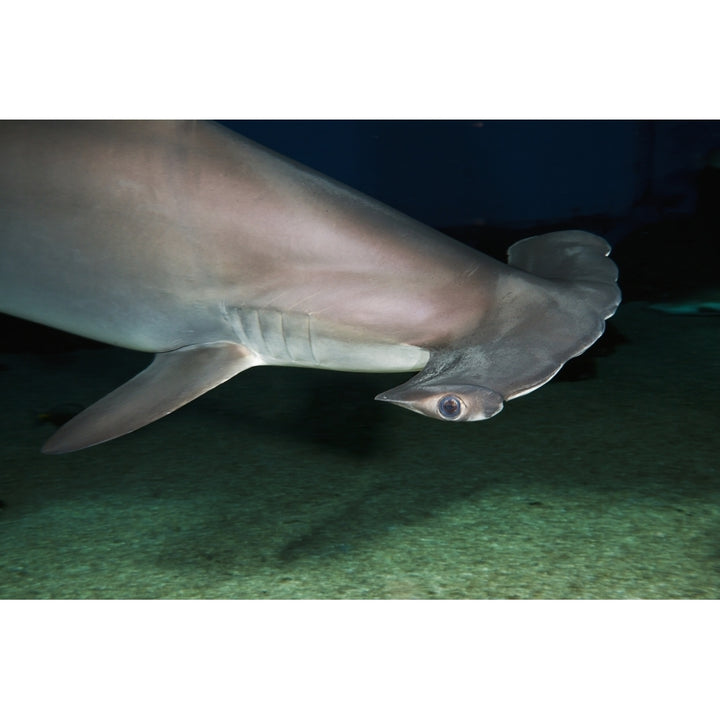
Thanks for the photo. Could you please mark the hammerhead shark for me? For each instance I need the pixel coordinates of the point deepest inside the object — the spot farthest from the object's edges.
(189, 241)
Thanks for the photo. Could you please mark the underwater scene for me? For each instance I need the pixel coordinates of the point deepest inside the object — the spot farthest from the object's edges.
(294, 483)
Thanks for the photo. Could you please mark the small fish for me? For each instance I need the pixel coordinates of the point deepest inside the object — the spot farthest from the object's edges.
(701, 302)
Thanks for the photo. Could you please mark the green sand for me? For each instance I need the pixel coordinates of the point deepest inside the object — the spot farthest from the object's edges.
(295, 484)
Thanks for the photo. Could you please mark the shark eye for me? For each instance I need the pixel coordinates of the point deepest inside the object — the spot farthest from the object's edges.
(450, 407)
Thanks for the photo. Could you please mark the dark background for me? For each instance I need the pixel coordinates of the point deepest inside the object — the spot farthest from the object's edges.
(510, 174)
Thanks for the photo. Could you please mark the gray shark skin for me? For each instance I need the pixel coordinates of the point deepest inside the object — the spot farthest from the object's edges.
(186, 240)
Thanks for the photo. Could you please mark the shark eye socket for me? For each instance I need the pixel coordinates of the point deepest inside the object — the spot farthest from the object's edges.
(450, 406)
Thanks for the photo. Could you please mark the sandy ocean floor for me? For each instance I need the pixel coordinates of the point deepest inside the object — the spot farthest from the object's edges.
(296, 484)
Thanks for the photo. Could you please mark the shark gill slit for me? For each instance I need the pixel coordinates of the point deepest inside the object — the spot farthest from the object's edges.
(308, 325)
(283, 333)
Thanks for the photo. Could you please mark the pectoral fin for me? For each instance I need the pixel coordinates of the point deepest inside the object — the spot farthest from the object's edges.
(170, 381)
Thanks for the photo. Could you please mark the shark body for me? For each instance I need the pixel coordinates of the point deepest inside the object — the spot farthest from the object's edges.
(188, 241)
